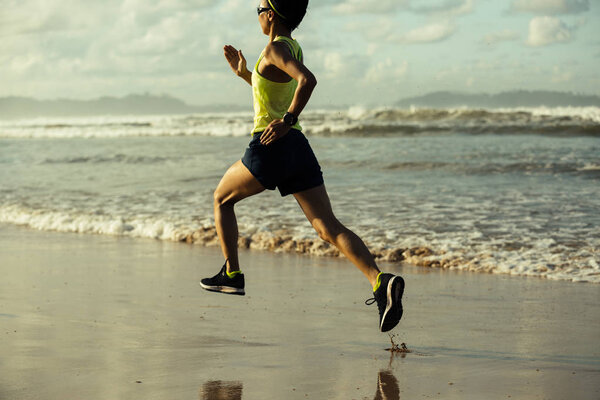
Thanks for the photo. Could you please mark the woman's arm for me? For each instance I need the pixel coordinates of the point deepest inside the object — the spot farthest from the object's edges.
(278, 54)
(237, 62)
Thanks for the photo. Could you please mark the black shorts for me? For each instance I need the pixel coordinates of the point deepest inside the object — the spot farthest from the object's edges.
(288, 164)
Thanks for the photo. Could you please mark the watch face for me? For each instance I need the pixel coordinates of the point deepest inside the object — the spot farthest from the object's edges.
(288, 119)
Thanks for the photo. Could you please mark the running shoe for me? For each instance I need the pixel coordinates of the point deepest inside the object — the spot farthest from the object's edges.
(388, 296)
(224, 282)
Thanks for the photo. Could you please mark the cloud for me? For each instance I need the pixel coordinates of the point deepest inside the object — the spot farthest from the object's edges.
(334, 63)
(432, 32)
(550, 7)
(506, 35)
(439, 8)
(446, 8)
(547, 30)
(387, 31)
(35, 17)
(445, 74)
(386, 70)
(561, 76)
(164, 37)
(371, 7)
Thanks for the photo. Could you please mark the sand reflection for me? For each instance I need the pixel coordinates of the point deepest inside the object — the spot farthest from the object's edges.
(221, 390)
(387, 386)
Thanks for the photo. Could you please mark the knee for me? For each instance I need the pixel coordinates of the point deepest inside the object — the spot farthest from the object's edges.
(222, 198)
(328, 231)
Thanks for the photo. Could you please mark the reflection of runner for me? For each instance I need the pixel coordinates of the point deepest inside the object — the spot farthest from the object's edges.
(279, 156)
(220, 390)
(387, 387)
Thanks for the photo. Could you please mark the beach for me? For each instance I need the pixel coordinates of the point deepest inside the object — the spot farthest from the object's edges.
(114, 317)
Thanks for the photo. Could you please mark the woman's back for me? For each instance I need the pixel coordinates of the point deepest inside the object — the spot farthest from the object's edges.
(272, 99)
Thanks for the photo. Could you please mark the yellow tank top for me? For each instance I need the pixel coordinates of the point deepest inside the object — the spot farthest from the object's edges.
(273, 99)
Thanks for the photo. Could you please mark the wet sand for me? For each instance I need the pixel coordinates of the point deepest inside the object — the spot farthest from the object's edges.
(99, 317)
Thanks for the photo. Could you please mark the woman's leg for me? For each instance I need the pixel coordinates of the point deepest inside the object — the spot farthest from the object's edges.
(237, 184)
(317, 208)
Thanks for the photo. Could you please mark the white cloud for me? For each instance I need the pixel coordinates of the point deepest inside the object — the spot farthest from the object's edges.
(432, 32)
(386, 70)
(387, 29)
(37, 17)
(561, 76)
(447, 73)
(550, 7)
(162, 37)
(506, 35)
(547, 30)
(334, 63)
(372, 7)
(447, 8)
(21, 64)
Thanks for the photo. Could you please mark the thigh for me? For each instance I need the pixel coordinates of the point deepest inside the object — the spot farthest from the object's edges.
(237, 184)
(316, 206)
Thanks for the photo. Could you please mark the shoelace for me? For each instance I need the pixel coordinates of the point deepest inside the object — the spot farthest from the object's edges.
(380, 306)
(370, 301)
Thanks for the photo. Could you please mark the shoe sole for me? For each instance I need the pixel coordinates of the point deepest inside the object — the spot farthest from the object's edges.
(223, 289)
(393, 310)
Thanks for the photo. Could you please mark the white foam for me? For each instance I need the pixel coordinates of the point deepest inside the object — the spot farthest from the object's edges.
(60, 221)
(231, 124)
(580, 265)
(590, 167)
(585, 113)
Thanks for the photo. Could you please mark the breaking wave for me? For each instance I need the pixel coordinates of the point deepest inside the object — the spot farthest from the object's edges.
(356, 121)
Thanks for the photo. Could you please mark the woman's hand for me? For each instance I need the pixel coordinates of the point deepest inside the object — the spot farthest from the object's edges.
(276, 130)
(236, 60)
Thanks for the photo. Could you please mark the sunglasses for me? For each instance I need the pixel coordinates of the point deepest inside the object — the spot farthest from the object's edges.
(261, 10)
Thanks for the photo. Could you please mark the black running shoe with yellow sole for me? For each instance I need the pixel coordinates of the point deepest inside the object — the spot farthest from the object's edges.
(389, 300)
(222, 283)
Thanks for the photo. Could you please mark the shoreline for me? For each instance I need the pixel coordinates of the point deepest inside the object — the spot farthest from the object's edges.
(91, 316)
(275, 243)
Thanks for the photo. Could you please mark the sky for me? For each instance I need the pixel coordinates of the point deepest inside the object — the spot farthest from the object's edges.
(362, 52)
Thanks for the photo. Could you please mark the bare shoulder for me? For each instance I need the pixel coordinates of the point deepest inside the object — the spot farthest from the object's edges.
(277, 49)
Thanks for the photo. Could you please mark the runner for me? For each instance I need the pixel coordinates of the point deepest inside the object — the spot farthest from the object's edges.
(279, 156)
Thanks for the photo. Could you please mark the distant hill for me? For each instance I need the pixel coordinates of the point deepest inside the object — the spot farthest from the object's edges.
(143, 104)
(138, 104)
(517, 98)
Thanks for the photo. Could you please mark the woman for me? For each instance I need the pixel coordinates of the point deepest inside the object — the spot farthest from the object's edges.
(280, 156)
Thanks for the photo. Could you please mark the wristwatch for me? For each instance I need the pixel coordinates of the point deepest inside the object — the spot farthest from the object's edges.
(290, 119)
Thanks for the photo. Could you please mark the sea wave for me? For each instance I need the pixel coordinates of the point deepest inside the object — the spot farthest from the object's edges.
(483, 167)
(360, 121)
(509, 258)
(355, 121)
(116, 158)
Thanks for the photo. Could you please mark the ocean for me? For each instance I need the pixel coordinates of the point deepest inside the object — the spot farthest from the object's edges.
(513, 191)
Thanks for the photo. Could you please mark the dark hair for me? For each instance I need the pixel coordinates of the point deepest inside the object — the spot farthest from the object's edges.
(292, 10)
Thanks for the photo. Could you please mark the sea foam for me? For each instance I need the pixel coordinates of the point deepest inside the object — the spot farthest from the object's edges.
(580, 266)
